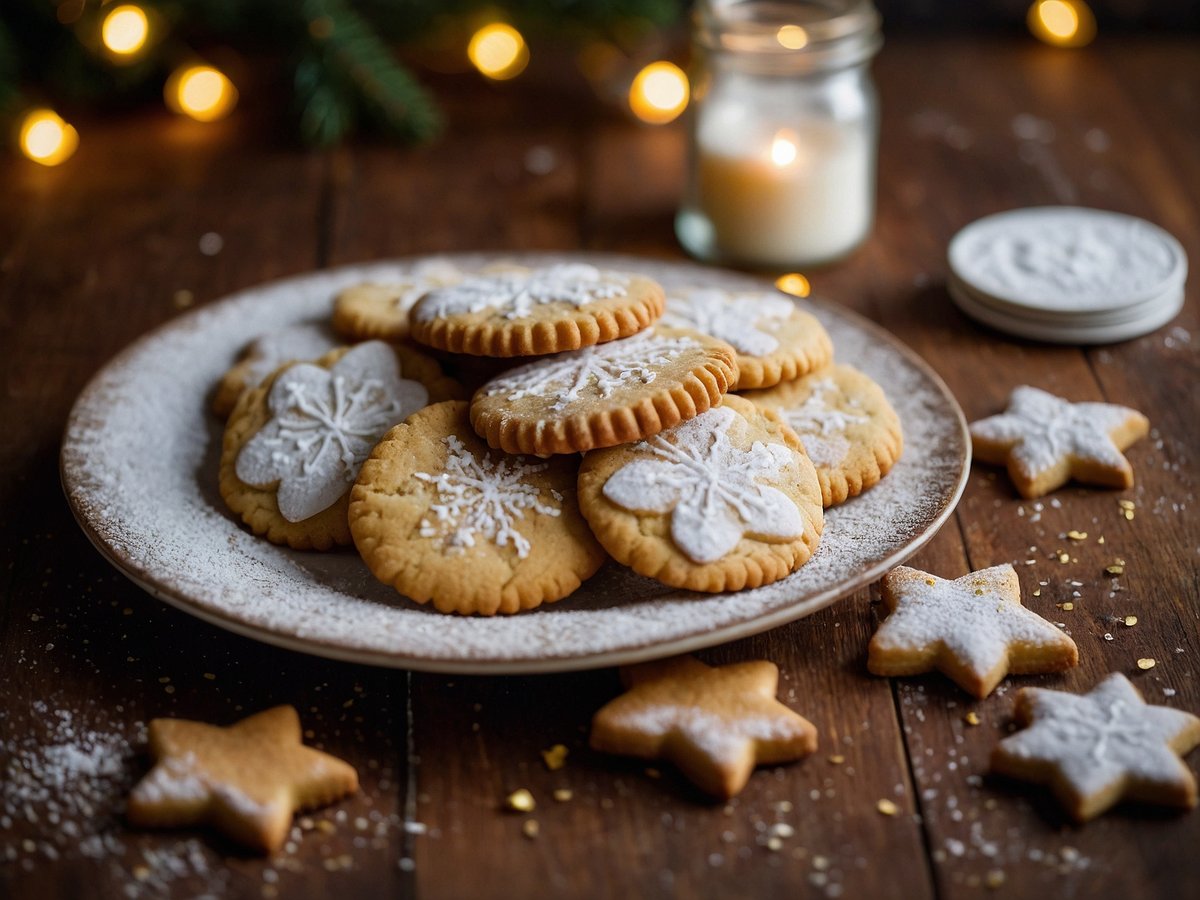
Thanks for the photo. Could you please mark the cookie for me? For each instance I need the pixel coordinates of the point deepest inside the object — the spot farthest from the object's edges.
(380, 310)
(848, 428)
(972, 629)
(307, 340)
(775, 340)
(245, 780)
(604, 395)
(715, 724)
(1096, 749)
(1046, 441)
(293, 446)
(539, 311)
(445, 520)
(725, 501)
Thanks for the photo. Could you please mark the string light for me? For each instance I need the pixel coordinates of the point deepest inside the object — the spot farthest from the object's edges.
(1062, 23)
(783, 149)
(793, 37)
(793, 283)
(659, 93)
(498, 51)
(125, 30)
(200, 92)
(45, 138)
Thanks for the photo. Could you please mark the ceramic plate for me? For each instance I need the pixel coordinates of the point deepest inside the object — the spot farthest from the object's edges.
(139, 466)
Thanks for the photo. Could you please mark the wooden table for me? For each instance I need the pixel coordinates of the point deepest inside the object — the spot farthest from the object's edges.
(105, 248)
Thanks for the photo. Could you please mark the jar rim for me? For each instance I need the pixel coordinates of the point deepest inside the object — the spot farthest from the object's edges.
(790, 35)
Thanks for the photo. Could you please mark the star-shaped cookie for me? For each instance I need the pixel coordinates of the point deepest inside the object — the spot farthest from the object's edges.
(245, 780)
(1096, 749)
(972, 629)
(1046, 441)
(715, 724)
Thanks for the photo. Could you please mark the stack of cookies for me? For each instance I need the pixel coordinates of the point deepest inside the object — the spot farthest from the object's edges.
(602, 423)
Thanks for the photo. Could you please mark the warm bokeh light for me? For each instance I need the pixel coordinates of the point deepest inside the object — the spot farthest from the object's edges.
(1062, 23)
(659, 93)
(793, 283)
(201, 92)
(498, 51)
(125, 30)
(45, 138)
(783, 149)
(793, 37)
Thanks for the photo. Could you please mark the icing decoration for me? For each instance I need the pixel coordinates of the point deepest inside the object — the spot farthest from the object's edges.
(975, 623)
(515, 294)
(822, 426)
(483, 497)
(745, 321)
(323, 425)
(308, 340)
(1107, 739)
(1044, 429)
(595, 371)
(710, 487)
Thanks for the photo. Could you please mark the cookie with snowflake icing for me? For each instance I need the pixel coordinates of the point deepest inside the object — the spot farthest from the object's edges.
(604, 395)
(725, 501)
(265, 354)
(775, 340)
(535, 311)
(1045, 441)
(1098, 748)
(293, 446)
(851, 433)
(380, 310)
(973, 629)
(446, 520)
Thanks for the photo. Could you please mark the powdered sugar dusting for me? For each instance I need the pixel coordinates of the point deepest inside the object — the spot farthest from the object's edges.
(142, 462)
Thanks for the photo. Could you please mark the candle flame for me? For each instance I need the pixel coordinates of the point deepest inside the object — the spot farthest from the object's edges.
(783, 149)
(1062, 23)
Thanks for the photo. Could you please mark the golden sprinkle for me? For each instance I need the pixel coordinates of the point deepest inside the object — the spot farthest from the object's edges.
(930, 582)
(530, 828)
(1063, 557)
(1125, 504)
(1077, 535)
(1066, 607)
(1115, 569)
(520, 800)
(837, 759)
(555, 758)
(1128, 515)
(1131, 621)
(887, 807)
(1147, 662)
(978, 592)
(562, 795)
(1100, 540)
(971, 718)
(209, 676)
(994, 879)
(1038, 592)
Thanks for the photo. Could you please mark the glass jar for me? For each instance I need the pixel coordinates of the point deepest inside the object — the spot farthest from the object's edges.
(785, 132)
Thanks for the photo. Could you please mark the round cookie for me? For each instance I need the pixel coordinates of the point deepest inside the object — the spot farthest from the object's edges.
(849, 429)
(372, 310)
(604, 395)
(293, 446)
(775, 340)
(535, 311)
(443, 519)
(265, 354)
(725, 501)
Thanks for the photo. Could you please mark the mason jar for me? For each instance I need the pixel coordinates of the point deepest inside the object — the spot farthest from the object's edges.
(784, 132)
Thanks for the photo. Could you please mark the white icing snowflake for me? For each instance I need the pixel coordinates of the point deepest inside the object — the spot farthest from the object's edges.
(1042, 430)
(1107, 737)
(515, 294)
(323, 425)
(710, 487)
(593, 371)
(746, 320)
(483, 497)
(823, 426)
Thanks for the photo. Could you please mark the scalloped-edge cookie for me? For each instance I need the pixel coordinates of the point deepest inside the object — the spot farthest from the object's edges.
(380, 310)
(726, 501)
(294, 445)
(1045, 441)
(447, 521)
(535, 312)
(265, 354)
(851, 433)
(775, 340)
(604, 395)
